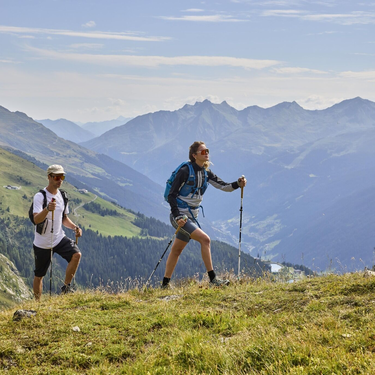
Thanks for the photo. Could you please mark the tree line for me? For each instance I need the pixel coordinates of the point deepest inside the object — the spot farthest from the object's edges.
(96, 208)
(115, 258)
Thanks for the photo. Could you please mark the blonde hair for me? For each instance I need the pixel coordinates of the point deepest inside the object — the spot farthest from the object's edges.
(193, 150)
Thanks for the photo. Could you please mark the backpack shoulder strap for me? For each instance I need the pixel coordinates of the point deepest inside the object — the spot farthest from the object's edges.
(64, 194)
(65, 198)
(44, 197)
(191, 169)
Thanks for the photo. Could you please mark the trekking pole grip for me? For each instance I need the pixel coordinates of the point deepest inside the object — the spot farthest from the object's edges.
(183, 217)
(242, 187)
(53, 212)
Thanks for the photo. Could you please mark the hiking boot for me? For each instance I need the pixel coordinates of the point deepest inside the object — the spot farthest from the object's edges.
(218, 282)
(65, 289)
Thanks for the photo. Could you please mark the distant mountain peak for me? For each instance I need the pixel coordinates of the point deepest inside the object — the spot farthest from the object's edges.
(23, 115)
(287, 105)
(355, 103)
(207, 104)
(3, 109)
(203, 104)
(225, 104)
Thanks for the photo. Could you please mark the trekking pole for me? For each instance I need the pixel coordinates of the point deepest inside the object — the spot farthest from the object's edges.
(175, 234)
(239, 242)
(74, 276)
(50, 275)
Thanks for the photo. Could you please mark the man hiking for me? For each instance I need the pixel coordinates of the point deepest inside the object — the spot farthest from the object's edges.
(49, 235)
(185, 198)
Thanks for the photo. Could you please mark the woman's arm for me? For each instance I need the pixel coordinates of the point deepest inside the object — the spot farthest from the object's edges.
(218, 183)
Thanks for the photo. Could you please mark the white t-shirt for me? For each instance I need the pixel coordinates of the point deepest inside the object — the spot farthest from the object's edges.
(45, 240)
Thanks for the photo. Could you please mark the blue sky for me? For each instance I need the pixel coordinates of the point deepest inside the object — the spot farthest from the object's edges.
(94, 60)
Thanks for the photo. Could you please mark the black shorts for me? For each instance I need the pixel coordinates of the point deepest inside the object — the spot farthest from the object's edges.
(66, 249)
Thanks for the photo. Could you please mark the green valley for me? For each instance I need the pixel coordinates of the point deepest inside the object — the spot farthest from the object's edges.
(117, 244)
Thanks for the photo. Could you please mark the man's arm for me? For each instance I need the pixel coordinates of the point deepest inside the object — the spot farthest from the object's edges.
(39, 217)
(70, 225)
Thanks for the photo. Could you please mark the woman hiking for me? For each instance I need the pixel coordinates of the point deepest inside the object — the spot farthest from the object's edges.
(185, 198)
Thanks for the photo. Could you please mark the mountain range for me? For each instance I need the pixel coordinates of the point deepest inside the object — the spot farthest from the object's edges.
(310, 173)
(110, 178)
(100, 127)
(68, 130)
(309, 197)
(78, 133)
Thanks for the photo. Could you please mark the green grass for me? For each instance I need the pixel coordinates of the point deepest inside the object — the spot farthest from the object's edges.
(120, 225)
(324, 325)
(6, 300)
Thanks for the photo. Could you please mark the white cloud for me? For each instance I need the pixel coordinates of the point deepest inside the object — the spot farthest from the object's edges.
(319, 101)
(323, 33)
(207, 18)
(297, 70)
(363, 54)
(26, 37)
(154, 61)
(366, 75)
(89, 24)
(87, 46)
(282, 13)
(117, 102)
(5, 61)
(91, 35)
(353, 18)
(193, 10)
(283, 3)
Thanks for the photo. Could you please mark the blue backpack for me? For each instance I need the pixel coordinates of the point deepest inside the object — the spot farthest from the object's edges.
(190, 185)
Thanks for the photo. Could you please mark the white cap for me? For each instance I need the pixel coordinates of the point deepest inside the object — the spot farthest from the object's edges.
(55, 169)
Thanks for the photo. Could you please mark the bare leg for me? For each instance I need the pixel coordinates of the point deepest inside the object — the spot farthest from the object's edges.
(38, 287)
(205, 241)
(72, 268)
(175, 253)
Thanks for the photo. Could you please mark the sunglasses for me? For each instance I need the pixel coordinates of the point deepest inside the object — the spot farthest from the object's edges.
(204, 152)
(58, 177)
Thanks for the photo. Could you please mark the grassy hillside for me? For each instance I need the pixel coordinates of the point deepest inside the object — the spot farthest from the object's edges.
(16, 171)
(13, 289)
(324, 325)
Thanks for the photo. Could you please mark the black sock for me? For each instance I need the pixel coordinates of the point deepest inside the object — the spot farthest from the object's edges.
(211, 275)
(166, 280)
